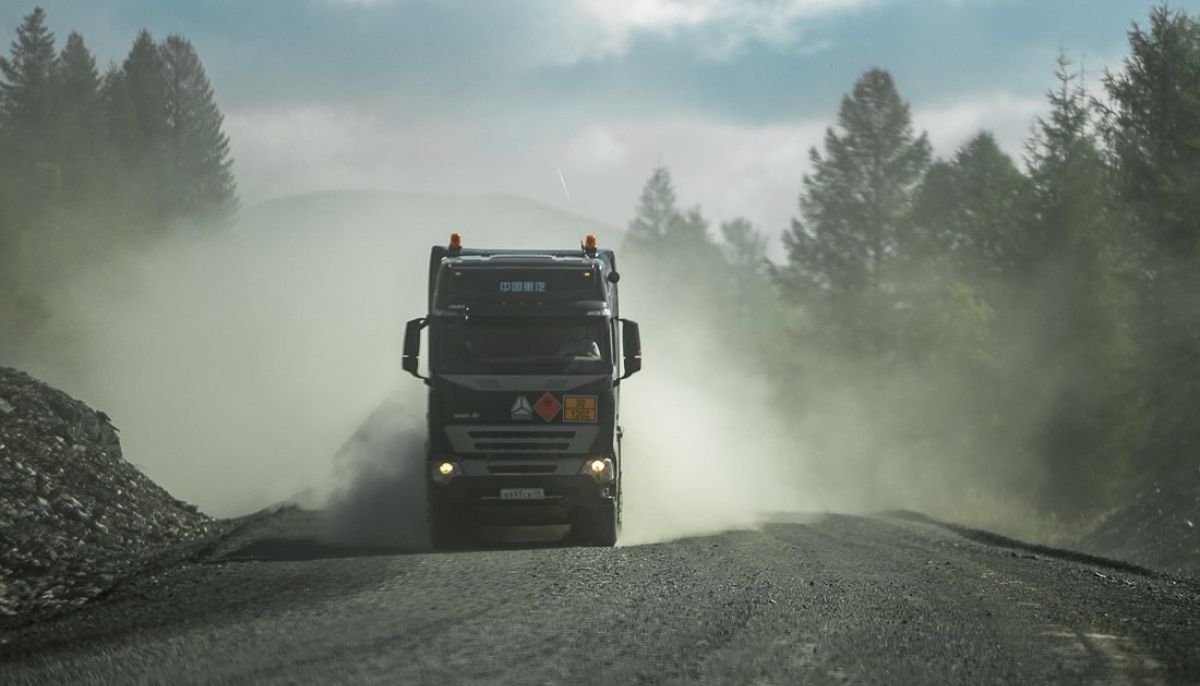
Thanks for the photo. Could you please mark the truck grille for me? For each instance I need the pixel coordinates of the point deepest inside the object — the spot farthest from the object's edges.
(511, 435)
(522, 447)
(520, 439)
(522, 468)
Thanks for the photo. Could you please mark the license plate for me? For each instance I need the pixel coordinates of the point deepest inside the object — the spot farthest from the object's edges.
(522, 493)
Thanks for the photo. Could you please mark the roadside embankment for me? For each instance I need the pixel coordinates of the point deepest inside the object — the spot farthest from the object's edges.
(1158, 528)
(75, 517)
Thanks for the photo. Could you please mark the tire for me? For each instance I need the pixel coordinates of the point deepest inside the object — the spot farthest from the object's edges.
(597, 526)
(447, 529)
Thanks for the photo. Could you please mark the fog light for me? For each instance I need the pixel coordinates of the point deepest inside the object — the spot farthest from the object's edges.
(597, 467)
(446, 468)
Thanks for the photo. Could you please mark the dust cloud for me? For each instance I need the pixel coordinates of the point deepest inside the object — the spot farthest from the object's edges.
(712, 442)
(237, 364)
(378, 493)
(261, 365)
(703, 450)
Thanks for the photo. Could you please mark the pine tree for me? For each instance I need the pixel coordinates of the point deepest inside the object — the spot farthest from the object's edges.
(1082, 306)
(746, 253)
(78, 81)
(145, 80)
(681, 266)
(856, 226)
(120, 120)
(977, 209)
(135, 107)
(655, 215)
(26, 112)
(745, 246)
(79, 138)
(27, 77)
(202, 186)
(1153, 130)
(677, 240)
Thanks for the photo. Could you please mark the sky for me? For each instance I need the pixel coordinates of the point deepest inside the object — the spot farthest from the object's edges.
(500, 97)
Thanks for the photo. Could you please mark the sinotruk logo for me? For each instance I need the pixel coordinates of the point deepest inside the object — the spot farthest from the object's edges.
(521, 410)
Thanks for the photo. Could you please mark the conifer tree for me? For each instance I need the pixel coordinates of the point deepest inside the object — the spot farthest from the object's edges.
(856, 225)
(1082, 307)
(135, 110)
(977, 209)
(745, 246)
(746, 253)
(79, 138)
(27, 85)
(681, 264)
(78, 81)
(1153, 130)
(26, 112)
(201, 185)
(120, 120)
(678, 240)
(87, 163)
(145, 81)
(655, 216)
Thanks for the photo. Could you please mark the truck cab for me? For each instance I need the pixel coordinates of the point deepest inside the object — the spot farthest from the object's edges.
(526, 354)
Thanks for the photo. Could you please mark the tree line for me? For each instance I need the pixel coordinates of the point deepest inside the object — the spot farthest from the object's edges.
(91, 163)
(1030, 328)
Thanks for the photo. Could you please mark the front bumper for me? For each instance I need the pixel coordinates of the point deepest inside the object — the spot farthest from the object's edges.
(478, 495)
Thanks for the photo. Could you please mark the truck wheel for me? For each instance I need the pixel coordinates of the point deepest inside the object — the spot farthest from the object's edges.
(447, 530)
(597, 526)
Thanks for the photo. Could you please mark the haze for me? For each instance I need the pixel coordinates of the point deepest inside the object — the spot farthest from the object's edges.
(239, 362)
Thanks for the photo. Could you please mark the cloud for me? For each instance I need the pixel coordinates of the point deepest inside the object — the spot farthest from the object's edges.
(596, 147)
(298, 149)
(730, 169)
(279, 151)
(724, 25)
(1007, 116)
(565, 32)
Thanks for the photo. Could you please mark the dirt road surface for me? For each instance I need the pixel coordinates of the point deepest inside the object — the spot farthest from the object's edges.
(805, 599)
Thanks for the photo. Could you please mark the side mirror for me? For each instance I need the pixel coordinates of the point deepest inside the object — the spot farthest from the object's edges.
(412, 348)
(631, 344)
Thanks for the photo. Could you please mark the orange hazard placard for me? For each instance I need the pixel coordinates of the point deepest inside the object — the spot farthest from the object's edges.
(579, 408)
(547, 407)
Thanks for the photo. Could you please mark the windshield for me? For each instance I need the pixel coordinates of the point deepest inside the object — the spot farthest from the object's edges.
(506, 346)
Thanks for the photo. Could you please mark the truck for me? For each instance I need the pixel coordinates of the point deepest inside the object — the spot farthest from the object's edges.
(526, 354)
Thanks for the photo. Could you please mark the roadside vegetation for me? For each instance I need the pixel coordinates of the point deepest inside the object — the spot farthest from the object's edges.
(1023, 334)
(94, 164)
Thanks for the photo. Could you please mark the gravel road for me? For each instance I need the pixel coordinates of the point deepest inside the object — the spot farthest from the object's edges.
(806, 599)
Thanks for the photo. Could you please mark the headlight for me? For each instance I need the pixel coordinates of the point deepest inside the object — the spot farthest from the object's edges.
(444, 471)
(599, 468)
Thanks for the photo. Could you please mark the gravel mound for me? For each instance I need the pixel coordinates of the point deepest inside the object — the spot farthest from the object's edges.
(1159, 528)
(75, 517)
